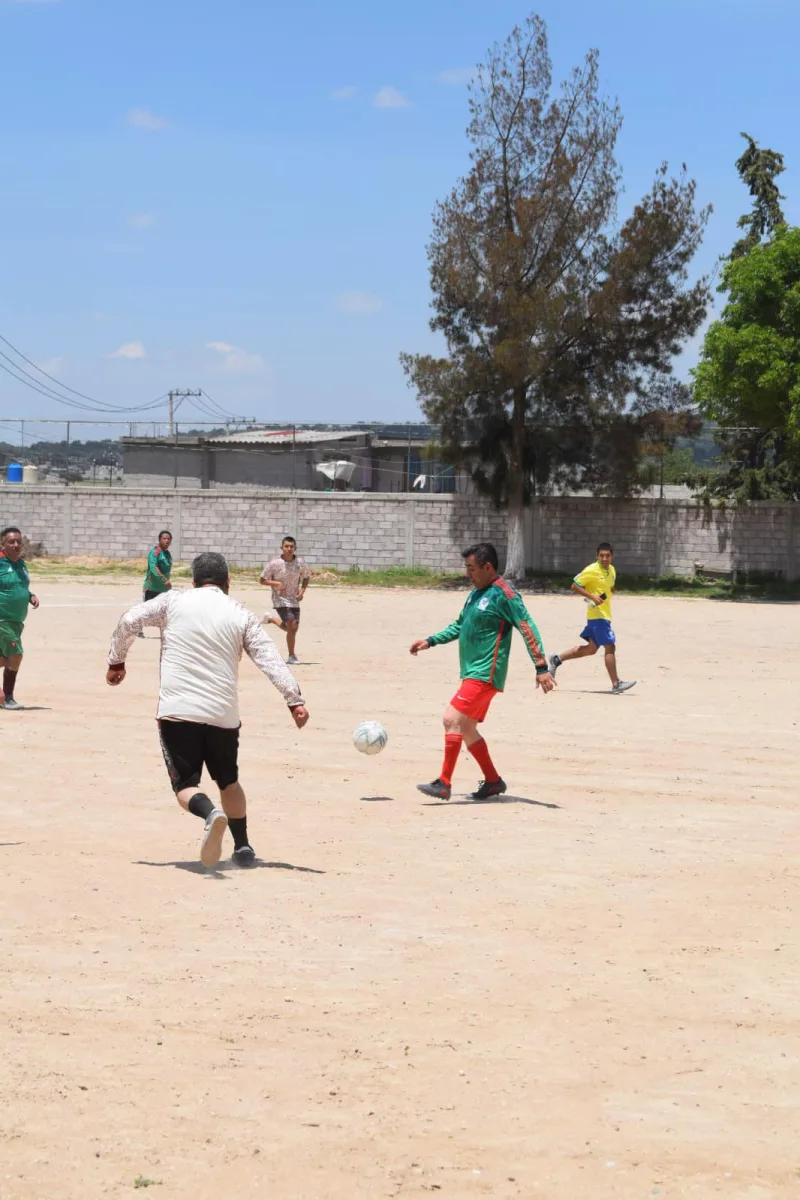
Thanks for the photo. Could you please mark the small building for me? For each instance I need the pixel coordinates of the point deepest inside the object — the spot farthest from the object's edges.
(383, 459)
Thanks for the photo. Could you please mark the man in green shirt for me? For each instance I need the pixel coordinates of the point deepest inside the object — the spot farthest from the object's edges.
(483, 631)
(159, 567)
(15, 597)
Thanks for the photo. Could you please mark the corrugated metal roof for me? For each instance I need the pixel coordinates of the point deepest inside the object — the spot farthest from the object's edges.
(285, 437)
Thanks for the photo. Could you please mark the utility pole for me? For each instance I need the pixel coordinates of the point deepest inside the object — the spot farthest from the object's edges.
(178, 394)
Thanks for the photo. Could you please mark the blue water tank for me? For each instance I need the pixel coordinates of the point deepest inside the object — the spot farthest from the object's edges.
(14, 472)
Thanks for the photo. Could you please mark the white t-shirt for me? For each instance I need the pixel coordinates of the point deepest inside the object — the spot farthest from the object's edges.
(203, 634)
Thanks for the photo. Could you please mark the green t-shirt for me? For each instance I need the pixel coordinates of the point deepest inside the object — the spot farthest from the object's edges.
(15, 590)
(484, 633)
(157, 560)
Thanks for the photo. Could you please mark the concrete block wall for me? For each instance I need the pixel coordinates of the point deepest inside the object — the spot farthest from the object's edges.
(379, 530)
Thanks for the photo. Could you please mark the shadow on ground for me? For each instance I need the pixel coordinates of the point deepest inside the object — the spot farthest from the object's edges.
(489, 800)
(196, 868)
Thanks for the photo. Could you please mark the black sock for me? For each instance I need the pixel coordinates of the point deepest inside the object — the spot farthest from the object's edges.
(201, 806)
(9, 683)
(238, 827)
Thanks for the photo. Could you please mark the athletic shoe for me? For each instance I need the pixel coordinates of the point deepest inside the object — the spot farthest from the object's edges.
(141, 635)
(292, 660)
(211, 845)
(555, 663)
(438, 789)
(487, 789)
(623, 686)
(10, 702)
(244, 856)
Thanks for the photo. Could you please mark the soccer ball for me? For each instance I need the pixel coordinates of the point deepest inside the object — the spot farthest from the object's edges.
(370, 737)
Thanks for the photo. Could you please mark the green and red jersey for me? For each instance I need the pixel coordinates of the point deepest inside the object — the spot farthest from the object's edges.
(484, 630)
(15, 590)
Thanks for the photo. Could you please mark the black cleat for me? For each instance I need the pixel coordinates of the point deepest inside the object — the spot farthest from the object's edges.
(244, 856)
(487, 789)
(438, 789)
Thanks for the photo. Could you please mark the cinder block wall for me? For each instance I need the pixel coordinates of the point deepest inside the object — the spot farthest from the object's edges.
(372, 530)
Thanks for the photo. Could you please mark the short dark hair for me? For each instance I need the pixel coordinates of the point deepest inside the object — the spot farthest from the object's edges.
(209, 568)
(9, 529)
(483, 553)
(289, 538)
(605, 546)
(163, 531)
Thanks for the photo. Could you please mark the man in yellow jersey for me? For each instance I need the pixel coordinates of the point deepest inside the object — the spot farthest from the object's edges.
(596, 584)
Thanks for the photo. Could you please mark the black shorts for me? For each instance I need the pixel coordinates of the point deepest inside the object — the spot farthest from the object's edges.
(288, 614)
(152, 595)
(188, 746)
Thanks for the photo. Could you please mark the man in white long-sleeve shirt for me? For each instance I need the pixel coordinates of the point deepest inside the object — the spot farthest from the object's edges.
(203, 634)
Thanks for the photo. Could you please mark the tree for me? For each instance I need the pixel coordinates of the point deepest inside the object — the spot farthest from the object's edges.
(748, 377)
(553, 316)
(666, 413)
(759, 169)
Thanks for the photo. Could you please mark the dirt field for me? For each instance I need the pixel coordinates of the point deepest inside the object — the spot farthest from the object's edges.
(587, 990)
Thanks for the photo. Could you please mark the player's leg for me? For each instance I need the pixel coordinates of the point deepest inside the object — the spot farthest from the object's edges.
(610, 653)
(292, 625)
(453, 739)
(182, 747)
(480, 697)
(273, 618)
(221, 753)
(11, 664)
(584, 651)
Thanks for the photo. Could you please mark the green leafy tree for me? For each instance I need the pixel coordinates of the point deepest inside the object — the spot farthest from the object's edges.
(748, 377)
(553, 314)
(759, 169)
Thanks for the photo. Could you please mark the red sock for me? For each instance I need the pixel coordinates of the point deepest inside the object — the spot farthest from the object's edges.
(9, 680)
(452, 749)
(480, 752)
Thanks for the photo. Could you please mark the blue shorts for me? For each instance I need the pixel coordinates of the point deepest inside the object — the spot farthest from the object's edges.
(600, 632)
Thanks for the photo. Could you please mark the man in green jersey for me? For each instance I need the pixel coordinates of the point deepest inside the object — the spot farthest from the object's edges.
(483, 631)
(15, 596)
(159, 568)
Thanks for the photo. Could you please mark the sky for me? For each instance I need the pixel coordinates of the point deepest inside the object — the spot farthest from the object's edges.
(237, 197)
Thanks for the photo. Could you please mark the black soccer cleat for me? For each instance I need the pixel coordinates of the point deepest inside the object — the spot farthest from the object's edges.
(440, 790)
(487, 789)
(244, 856)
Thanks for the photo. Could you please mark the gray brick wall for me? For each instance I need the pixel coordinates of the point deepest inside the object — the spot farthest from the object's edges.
(379, 530)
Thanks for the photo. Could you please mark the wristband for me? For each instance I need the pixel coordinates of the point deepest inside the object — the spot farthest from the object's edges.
(543, 669)
(116, 666)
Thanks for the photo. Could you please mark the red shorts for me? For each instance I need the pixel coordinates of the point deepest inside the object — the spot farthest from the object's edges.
(474, 697)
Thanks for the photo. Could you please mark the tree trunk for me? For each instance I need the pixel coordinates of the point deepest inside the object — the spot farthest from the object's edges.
(515, 558)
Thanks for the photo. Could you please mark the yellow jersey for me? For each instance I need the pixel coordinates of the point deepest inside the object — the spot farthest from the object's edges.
(597, 579)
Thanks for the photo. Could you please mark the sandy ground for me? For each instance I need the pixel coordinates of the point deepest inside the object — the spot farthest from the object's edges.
(587, 990)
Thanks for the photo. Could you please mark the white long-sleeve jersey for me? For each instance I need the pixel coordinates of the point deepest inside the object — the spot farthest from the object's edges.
(203, 634)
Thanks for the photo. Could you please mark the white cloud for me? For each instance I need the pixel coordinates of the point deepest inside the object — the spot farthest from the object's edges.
(141, 221)
(242, 362)
(458, 77)
(359, 302)
(129, 350)
(345, 93)
(51, 366)
(143, 118)
(389, 97)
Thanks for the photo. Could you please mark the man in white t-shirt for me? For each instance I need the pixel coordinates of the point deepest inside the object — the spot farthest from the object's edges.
(288, 576)
(203, 634)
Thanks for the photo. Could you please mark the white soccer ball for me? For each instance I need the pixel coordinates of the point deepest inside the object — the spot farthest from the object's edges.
(370, 737)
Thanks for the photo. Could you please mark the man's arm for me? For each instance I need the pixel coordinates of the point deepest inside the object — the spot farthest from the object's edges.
(131, 623)
(521, 619)
(439, 639)
(266, 579)
(263, 653)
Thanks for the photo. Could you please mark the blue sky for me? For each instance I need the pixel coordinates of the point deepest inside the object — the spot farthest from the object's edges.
(237, 196)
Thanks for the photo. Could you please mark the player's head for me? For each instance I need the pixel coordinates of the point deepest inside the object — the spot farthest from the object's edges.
(288, 548)
(165, 539)
(605, 553)
(480, 561)
(211, 570)
(11, 542)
